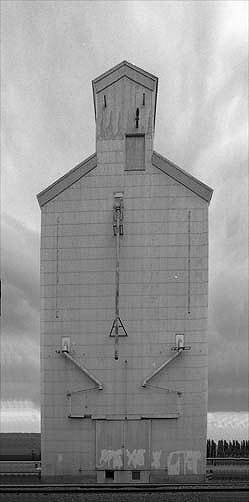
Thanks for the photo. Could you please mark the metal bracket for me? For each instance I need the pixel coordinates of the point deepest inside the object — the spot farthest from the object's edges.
(180, 343)
(120, 325)
(118, 214)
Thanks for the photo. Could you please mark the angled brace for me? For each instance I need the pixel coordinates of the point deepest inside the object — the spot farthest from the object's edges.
(82, 368)
(148, 378)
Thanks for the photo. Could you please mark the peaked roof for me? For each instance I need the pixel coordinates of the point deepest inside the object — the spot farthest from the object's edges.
(186, 179)
(121, 70)
(165, 165)
(67, 180)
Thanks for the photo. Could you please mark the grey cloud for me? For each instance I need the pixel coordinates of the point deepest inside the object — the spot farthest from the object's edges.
(51, 52)
(20, 312)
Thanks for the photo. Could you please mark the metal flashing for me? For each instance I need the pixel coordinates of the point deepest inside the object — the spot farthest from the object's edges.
(67, 180)
(186, 179)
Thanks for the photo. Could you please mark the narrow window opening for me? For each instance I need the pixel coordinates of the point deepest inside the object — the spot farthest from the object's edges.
(137, 117)
(143, 99)
(135, 152)
(109, 475)
(135, 475)
(104, 101)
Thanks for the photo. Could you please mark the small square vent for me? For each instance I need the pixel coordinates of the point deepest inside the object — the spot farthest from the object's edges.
(109, 475)
(135, 475)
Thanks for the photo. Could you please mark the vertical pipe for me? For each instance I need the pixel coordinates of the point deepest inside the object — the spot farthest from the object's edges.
(189, 216)
(126, 410)
(117, 283)
(57, 267)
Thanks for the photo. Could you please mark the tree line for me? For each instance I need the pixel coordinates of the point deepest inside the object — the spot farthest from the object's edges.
(227, 448)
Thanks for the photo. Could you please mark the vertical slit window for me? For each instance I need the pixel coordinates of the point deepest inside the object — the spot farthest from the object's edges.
(135, 152)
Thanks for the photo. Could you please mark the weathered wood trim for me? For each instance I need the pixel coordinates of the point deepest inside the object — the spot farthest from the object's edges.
(174, 171)
(67, 180)
(129, 71)
(121, 70)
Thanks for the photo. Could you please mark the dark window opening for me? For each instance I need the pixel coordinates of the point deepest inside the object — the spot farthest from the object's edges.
(109, 475)
(135, 475)
(135, 152)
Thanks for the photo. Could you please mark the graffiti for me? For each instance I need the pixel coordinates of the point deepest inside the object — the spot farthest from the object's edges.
(183, 462)
(156, 459)
(136, 457)
(111, 456)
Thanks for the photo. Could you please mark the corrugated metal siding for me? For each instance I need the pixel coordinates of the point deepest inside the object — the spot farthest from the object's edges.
(163, 258)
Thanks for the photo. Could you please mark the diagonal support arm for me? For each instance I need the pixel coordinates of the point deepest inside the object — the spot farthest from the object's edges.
(82, 368)
(152, 375)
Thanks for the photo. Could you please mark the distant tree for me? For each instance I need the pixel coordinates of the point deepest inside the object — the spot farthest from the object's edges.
(231, 448)
(208, 448)
(225, 448)
(213, 449)
(220, 448)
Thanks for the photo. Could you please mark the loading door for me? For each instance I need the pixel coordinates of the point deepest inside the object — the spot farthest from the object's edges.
(137, 444)
(122, 444)
(109, 444)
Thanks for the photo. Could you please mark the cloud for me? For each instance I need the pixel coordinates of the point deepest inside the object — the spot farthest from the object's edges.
(20, 312)
(19, 416)
(229, 426)
(51, 52)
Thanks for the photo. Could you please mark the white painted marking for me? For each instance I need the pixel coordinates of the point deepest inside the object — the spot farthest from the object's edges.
(187, 459)
(136, 457)
(156, 459)
(59, 458)
(111, 456)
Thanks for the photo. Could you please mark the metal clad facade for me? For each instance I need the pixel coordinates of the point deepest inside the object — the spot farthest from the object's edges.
(163, 291)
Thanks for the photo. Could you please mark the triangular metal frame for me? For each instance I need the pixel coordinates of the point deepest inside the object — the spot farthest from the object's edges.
(120, 326)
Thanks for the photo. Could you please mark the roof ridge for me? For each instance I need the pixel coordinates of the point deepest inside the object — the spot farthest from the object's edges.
(118, 66)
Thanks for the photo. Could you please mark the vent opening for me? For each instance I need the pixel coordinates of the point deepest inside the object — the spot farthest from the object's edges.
(135, 475)
(109, 475)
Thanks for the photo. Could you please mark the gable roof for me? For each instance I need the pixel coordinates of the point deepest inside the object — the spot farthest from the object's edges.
(67, 180)
(186, 179)
(125, 69)
(165, 165)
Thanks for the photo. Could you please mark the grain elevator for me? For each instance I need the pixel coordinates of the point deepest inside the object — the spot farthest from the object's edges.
(124, 302)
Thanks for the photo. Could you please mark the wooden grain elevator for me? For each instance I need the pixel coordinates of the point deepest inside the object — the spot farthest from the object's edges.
(124, 302)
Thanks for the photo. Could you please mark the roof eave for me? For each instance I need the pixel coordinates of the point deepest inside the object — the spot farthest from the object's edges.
(67, 180)
(186, 179)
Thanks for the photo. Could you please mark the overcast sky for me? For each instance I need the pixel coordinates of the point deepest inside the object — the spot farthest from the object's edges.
(51, 51)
